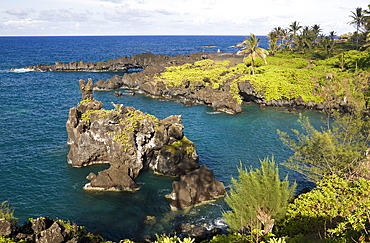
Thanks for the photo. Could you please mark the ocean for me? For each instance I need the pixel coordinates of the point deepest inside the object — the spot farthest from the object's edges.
(35, 177)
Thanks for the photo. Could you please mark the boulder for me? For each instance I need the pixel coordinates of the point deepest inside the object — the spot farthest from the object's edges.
(114, 179)
(53, 234)
(195, 187)
(6, 227)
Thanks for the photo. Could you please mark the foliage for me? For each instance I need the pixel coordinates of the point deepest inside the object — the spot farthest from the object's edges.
(85, 101)
(338, 149)
(8, 240)
(201, 73)
(337, 208)
(238, 238)
(231, 238)
(7, 211)
(287, 83)
(101, 113)
(257, 199)
(174, 239)
(352, 60)
(181, 145)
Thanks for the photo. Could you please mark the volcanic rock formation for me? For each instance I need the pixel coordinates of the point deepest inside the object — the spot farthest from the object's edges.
(127, 139)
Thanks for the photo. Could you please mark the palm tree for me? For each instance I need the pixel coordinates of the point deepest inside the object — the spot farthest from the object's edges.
(332, 35)
(251, 49)
(307, 37)
(315, 30)
(294, 28)
(273, 42)
(357, 20)
(328, 44)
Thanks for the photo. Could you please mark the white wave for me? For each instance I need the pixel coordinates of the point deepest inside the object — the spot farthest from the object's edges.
(213, 112)
(217, 223)
(21, 70)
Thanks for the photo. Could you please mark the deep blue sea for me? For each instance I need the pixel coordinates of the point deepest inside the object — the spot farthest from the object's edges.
(35, 177)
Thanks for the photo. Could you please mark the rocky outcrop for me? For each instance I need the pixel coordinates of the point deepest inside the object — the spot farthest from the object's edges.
(195, 187)
(122, 64)
(127, 139)
(45, 230)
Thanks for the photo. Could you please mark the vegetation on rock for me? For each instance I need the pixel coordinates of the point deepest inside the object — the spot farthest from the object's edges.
(203, 73)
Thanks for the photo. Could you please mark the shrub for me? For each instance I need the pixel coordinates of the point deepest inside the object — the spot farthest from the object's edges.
(257, 199)
(7, 211)
(337, 209)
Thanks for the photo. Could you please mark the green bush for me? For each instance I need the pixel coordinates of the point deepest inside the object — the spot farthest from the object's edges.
(337, 209)
(173, 239)
(7, 211)
(277, 82)
(257, 199)
(351, 60)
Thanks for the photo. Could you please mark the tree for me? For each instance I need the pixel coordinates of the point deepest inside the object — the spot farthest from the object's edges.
(328, 44)
(338, 149)
(250, 47)
(357, 20)
(294, 28)
(257, 199)
(273, 42)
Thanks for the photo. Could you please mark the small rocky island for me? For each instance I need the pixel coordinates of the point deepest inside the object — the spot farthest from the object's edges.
(129, 141)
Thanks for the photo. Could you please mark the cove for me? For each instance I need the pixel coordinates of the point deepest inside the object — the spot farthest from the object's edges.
(35, 175)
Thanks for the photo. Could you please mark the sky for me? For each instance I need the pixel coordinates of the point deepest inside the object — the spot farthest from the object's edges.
(171, 17)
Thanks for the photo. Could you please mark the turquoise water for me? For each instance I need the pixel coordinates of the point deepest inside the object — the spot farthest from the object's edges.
(35, 176)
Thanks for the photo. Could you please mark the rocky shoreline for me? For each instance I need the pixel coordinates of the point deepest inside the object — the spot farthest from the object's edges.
(151, 65)
(46, 230)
